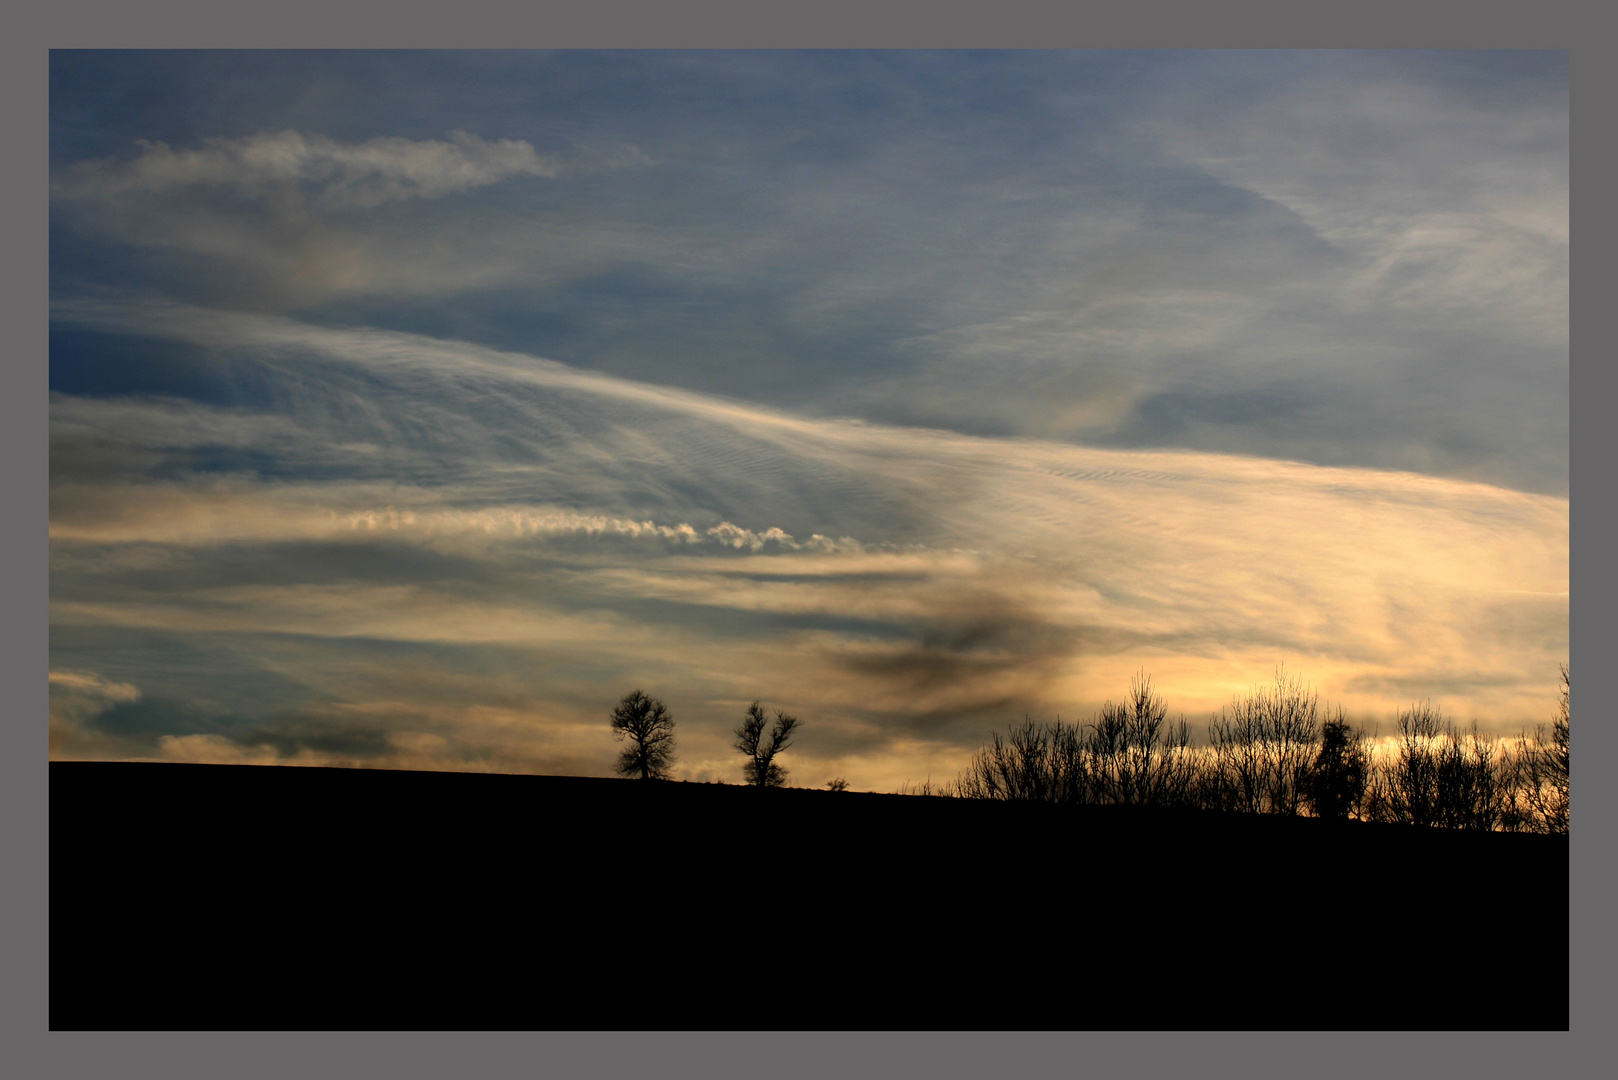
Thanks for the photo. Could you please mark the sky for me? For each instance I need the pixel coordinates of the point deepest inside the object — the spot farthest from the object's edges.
(409, 408)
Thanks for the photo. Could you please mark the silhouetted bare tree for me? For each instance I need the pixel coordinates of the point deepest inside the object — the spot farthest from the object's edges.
(1135, 755)
(761, 769)
(646, 723)
(1405, 787)
(1264, 748)
(1474, 781)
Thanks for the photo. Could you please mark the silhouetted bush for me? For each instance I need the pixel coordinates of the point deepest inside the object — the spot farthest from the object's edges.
(1443, 777)
(1130, 754)
(1022, 766)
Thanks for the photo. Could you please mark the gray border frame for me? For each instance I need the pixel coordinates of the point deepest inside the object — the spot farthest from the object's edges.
(734, 23)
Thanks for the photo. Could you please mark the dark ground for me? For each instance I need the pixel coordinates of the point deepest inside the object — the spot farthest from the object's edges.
(240, 897)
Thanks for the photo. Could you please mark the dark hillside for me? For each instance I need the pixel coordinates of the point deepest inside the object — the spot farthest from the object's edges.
(239, 897)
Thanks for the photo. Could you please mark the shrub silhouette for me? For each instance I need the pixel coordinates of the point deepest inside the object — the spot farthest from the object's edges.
(1129, 754)
(646, 723)
(1443, 777)
(761, 769)
(1021, 766)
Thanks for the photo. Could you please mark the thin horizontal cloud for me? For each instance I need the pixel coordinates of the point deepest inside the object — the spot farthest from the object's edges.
(297, 169)
(85, 686)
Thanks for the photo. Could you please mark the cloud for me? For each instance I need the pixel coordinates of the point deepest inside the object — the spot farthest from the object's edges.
(912, 410)
(219, 750)
(87, 692)
(297, 169)
(1348, 258)
(571, 535)
(287, 218)
(77, 698)
(1448, 202)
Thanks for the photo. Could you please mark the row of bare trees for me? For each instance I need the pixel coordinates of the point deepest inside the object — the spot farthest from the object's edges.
(1278, 751)
(1130, 754)
(1439, 775)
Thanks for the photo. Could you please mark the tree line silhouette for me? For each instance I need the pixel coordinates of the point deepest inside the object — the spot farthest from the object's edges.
(1276, 751)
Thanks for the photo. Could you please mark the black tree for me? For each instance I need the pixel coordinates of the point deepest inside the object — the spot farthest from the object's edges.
(761, 769)
(1341, 770)
(646, 723)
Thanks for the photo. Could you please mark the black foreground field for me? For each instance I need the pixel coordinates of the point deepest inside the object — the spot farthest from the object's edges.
(240, 897)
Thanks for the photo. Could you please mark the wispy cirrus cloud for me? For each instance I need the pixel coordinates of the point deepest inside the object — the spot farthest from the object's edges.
(290, 214)
(1347, 257)
(295, 169)
(1447, 201)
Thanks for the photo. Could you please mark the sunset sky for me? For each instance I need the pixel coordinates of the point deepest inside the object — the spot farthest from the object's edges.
(407, 409)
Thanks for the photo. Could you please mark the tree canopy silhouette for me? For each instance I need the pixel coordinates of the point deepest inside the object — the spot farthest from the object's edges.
(646, 723)
(1341, 771)
(761, 769)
